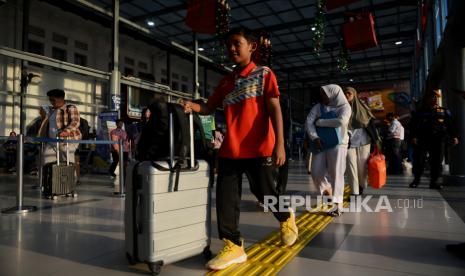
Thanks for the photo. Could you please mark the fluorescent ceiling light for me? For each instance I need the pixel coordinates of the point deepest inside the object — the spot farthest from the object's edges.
(398, 42)
(313, 28)
(351, 80)
(201, 49)
(150, 23)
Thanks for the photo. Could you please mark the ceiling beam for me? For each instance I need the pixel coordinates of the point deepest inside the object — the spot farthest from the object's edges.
(166, 10)
(329, 16)
(335, 77)
(351, 62)
(308, 87)
(307, 50)
(338, 35)
(96, 14)
(374, 82)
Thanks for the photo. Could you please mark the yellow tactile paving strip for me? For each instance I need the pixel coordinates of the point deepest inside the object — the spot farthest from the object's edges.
(268, 257)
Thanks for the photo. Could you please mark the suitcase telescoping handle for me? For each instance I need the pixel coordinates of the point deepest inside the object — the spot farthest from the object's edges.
(58, 152)
(191, 138)
(171, 129)
(67, 153)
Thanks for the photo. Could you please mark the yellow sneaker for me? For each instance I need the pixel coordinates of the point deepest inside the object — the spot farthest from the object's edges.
(229, 255)
(289, 231)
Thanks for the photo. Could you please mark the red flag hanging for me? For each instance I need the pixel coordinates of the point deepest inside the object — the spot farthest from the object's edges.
(359, 33)
(201, 16)
(424, 16)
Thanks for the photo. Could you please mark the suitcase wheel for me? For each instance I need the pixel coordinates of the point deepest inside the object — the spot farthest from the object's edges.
(207, 253)
(131, 261)
(71, 195)
(155, 268)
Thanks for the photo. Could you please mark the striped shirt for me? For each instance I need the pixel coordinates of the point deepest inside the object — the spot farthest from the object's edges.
(244, 95)
(65, 119)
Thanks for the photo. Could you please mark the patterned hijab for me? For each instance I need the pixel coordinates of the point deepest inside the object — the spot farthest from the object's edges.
(361, 114)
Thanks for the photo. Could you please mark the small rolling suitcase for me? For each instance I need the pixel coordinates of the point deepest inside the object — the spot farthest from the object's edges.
(167, 209)
(59, 178)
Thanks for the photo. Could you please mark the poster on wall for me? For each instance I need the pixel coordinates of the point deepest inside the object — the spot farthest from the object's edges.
(386, 97)
(375, 103)
(384, 101)
(106, 123)
(115, 102)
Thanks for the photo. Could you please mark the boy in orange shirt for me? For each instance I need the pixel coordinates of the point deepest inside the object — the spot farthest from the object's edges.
(253, 144)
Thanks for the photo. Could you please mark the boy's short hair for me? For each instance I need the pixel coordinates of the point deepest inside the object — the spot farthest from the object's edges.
(57, 93)
(119, 121)
(245, 32)
(390, 115)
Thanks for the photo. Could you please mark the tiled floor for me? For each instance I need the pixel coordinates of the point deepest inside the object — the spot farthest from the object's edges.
(85, 235)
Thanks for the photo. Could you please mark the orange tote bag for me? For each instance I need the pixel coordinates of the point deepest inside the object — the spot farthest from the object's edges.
(377, 169)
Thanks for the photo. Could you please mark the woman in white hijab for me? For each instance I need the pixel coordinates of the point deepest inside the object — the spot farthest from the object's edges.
(328, 165)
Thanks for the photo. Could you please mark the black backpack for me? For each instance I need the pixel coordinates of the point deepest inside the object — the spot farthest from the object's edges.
(154, 140)
(84, 128)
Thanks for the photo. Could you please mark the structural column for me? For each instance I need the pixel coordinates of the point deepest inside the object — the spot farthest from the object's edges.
(205, 80)
(115, 98)
(195, 76)
(24, 74)
(454, 78)
(168, 68)
(288, 87)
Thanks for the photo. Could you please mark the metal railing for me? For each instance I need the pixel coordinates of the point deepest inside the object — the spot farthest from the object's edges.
(19, 208)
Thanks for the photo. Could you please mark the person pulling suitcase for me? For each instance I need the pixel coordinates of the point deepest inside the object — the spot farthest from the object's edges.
(62, 121)
(253, 144)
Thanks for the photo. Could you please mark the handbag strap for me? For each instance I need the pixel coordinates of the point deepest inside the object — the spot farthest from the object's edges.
(376, 151)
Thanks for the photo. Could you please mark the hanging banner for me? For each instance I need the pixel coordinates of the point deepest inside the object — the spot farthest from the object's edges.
(201, 16)
(424, 16)
(359, 32)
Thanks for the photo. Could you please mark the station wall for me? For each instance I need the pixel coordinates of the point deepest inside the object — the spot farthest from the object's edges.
(69, 37)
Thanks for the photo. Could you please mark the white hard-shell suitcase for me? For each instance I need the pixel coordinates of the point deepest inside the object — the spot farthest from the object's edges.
(167, 220)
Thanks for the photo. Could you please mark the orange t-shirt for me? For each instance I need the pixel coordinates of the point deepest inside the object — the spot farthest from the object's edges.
(244, 97)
